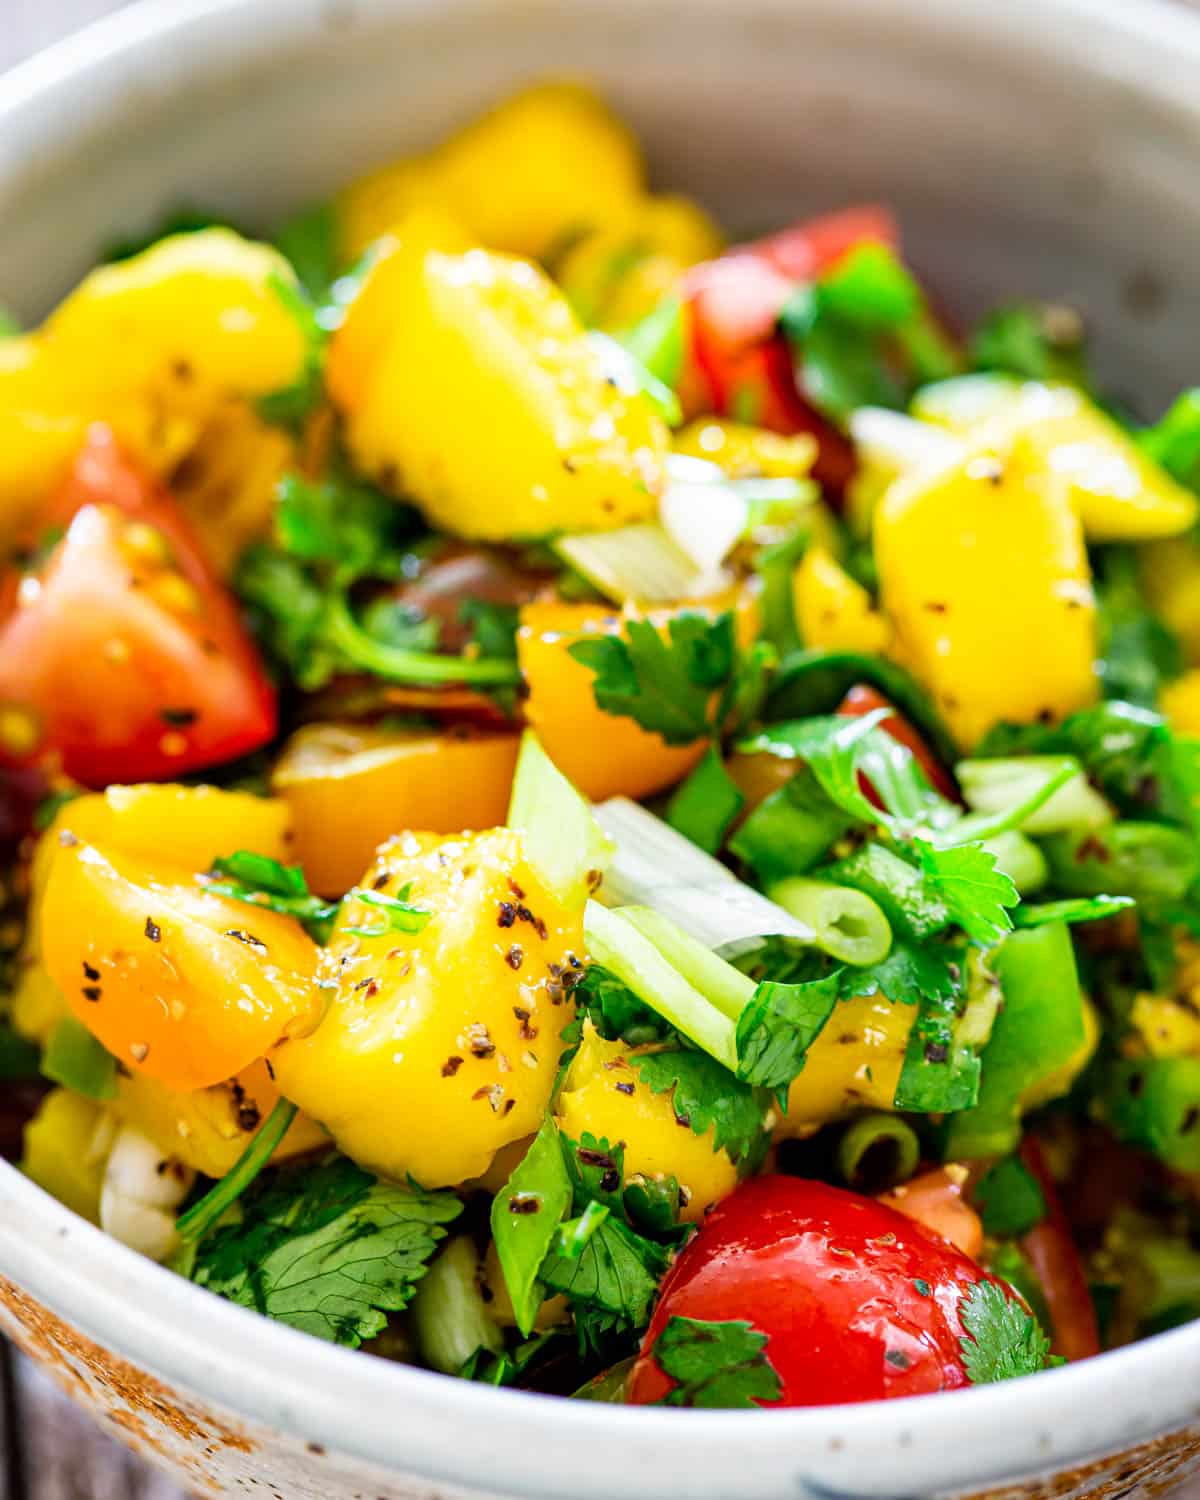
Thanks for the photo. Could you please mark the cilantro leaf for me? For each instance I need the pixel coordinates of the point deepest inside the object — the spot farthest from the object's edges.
(292, 406)
(707, 1097)
(1010, 1198)
(975, 892)
(777, 1027)
(309, 241)
(396, 913)
(525, 1217)
(615, 1011)
(261, 881)
(716, 1364)
(1002, 1339)
(330, 1249)
(617, 1273)
(909, 972)
(664, 684)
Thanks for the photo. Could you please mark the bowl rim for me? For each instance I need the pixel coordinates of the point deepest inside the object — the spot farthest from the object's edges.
(319, 1392)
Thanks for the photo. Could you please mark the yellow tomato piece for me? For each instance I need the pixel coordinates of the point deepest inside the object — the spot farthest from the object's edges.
(440, 1047)
(602, 754)
(1169, 572)
(746, 452)
(541, 165)
(193, 824)
(984, 576)
(226, 482)
(620, 271)
(351, 786)
(854, 1064)
(490, 406)
(1180, 701)
(604, 1095)
(833, 610)
(179, 984)
(1166, 1025)
(1119, 492)
(208, 1129)
(61, 1152)
(150, 346)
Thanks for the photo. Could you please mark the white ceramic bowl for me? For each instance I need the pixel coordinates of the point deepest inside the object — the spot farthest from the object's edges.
(1041, 146)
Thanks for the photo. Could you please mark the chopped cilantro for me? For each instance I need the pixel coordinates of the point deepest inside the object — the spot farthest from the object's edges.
(327, 1249)
(976, 893)
(1002, 1339)
(940, 1074)
(396, 913)
(716, 1364)
(1138, 653)
(665, 684)
(292, 406)
(265, 882)
(493, 628)
(779, 1025)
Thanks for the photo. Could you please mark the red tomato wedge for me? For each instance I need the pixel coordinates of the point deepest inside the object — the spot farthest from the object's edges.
(857, 1301)
(740, 365)
(122, 656)
(864, 699)
(1050, 1250)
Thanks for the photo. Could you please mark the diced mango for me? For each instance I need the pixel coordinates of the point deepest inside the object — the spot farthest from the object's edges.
(440, 1047)
(833, 610)
(853, 1065)
(475, 391)
(179, 983)
(604, 1095)
(1119, 492)
(150, 346)
(61, 1152)
(542, 165)
(984, 576)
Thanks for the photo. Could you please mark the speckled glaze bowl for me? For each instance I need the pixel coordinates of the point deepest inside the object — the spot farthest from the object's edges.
(1041, 146)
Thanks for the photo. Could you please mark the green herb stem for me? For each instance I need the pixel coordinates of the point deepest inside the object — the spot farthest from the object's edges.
(202, 1216)
(398, 665)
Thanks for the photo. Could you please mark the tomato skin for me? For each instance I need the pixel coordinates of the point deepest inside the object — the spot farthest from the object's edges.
(935, 1199)
(1051, 1251)
(740, 364)
(831, 1278)
(864, 699)
(123, 657)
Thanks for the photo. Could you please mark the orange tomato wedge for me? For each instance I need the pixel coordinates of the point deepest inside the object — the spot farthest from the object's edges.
(179, 984)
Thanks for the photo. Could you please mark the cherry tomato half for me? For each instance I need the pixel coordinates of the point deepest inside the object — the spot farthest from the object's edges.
(857, 1301)
(864, 699)
(121, 654)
